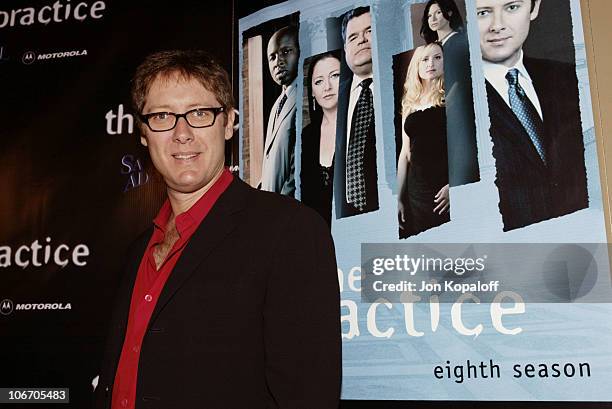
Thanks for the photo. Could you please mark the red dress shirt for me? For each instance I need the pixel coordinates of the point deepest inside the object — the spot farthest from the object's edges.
(149, 284)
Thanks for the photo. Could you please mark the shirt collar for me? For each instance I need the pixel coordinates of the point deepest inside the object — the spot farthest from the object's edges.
(290, 88)
(357, 80)
(452, 33)
(196, 213)
(496, 73)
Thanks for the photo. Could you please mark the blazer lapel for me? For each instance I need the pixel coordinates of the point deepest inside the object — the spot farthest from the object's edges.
(284, 113)
(289, 105)
(271, 125)
(544, 86)
(211, 232)
(518, 136)
(126, 289)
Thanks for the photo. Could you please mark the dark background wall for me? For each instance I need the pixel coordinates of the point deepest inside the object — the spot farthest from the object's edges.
(71, 175)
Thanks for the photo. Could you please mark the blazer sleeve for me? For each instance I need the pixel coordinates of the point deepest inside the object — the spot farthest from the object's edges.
(302, 317)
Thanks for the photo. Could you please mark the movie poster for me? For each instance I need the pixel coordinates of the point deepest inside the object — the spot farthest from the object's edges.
(450, 146)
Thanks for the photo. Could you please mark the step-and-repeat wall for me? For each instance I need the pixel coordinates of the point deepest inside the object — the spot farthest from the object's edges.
(77, 186)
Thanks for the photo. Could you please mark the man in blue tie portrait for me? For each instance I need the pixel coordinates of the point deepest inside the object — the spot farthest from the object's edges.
(535, 119)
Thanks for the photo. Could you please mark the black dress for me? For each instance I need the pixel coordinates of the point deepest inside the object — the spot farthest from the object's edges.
(316, 180)
(428, 169)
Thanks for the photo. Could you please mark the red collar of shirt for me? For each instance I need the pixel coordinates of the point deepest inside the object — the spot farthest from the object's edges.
(195, 214)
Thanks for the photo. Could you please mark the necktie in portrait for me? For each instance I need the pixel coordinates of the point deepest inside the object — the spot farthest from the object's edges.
(526, 112)
(355, 169)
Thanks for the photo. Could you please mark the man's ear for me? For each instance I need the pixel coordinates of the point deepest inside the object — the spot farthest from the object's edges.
(229, 124)
(143, 133)
(536, 10)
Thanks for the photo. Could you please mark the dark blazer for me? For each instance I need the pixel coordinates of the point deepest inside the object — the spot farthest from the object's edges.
(461, 131)
(249, 317)
(344, 209)
(529, 190)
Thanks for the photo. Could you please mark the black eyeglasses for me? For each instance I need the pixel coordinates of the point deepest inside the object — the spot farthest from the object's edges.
(195, 118)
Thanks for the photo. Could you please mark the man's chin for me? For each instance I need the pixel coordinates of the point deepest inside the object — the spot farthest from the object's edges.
(187, 184)
(185, 189)
(284, 81)
(498, 56)
(362, 68)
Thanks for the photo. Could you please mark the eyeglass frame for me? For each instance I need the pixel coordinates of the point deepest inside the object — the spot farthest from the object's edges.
(215, 110)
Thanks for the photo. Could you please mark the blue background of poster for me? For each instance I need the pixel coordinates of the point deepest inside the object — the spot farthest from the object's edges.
(399, 366)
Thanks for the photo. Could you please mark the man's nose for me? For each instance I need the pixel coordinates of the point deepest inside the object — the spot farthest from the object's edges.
(183, 133)
(363, 38)
(497, 22)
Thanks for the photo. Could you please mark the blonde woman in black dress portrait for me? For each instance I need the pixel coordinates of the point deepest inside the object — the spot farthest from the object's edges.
(422, 168)
(319, 136)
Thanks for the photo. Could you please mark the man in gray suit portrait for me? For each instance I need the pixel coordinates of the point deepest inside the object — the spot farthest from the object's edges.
(277, 174)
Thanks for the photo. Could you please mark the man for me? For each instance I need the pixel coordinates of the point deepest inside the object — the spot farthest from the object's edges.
(355, 178)
(231, 299)
(535, 119)
(277, 174)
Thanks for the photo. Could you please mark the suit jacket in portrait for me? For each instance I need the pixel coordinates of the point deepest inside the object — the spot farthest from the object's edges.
(277, 174)
(461, 130)
(529, 190)
(344, 209)
(249, 317)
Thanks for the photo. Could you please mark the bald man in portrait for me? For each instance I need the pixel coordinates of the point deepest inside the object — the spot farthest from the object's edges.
(278, 168)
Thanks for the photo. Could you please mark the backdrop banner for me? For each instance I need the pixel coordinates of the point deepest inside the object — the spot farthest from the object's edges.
(77, 186)
(466, 123)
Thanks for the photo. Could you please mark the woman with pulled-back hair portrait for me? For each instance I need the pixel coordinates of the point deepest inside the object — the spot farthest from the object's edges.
(441, 21)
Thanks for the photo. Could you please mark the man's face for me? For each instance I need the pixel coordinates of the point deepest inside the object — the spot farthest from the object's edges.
(187, 158)
(504, 27)
(283, 56)
(357, 46)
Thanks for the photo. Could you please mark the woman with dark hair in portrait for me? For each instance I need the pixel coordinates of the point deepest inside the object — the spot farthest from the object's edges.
(319, 136)
(442, 22)
(422, 167)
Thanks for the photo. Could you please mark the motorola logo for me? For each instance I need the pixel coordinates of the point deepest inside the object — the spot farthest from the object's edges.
(6, 306)
(28, 57)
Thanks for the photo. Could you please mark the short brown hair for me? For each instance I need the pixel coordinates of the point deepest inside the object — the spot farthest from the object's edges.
(196, 64)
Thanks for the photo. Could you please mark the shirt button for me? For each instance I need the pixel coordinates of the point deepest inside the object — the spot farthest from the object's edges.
(124, 403)
(148, 298)
(135, 348)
